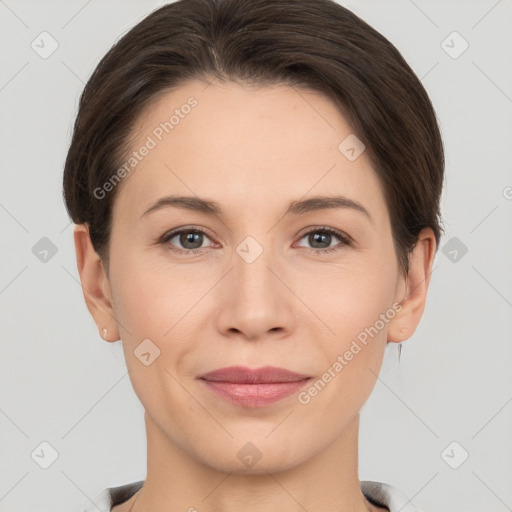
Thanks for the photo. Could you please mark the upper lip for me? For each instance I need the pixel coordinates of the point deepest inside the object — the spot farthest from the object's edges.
(244, 375)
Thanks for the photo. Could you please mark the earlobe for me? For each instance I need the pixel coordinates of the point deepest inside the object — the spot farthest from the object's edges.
(95, 284)
(421, 259)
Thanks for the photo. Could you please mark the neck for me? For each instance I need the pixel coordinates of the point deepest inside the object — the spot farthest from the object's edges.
(177, 481)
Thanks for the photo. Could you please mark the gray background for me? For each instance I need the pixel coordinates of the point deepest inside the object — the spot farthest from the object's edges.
(61, 384)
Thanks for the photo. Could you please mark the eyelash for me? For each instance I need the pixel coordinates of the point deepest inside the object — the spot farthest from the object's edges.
(345, 240)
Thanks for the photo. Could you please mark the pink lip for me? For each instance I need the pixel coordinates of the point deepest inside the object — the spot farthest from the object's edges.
(254, 388)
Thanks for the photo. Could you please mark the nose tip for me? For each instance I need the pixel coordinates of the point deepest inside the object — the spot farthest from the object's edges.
(256, 300)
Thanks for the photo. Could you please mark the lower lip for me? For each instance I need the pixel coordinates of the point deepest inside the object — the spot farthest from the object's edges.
(255, 395)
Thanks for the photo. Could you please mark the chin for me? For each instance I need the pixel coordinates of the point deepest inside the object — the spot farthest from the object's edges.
(253, 458)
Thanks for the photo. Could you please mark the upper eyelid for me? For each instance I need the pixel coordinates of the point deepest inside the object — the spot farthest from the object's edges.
(330, 230)
(343, 236)
(345, 239)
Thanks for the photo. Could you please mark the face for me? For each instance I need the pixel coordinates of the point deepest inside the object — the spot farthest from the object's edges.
(257, 283)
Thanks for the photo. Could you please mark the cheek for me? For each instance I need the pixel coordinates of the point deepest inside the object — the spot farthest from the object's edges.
(348, 298)
(349, 361)
(165, 304)
(354, 303)
(155, 302)
(158, 306)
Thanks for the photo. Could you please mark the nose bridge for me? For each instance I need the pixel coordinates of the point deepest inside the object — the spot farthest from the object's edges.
(252, 259)
(255, 300)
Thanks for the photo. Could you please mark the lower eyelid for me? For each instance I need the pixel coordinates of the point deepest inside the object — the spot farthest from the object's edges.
(343, 240)
(168, 237)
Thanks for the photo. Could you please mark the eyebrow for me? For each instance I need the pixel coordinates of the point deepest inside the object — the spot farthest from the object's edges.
(298, 207)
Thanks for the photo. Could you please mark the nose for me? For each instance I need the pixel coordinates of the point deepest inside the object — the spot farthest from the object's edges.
(256, 301)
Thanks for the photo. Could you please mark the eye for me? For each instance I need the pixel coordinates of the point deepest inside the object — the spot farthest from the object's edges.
(190, 239)
(320, 239)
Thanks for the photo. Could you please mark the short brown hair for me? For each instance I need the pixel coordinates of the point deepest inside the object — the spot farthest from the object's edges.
(314, 44)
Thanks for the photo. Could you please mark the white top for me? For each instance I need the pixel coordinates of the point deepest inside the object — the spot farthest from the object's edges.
(377, 493)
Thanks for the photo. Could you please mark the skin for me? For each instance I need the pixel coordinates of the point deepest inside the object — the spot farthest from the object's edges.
(252, 151)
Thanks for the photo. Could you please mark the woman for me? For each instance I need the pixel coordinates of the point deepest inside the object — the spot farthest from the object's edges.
(255, 187)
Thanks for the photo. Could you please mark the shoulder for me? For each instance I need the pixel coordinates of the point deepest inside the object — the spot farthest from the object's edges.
(112, 496)
(386, 495)
(378, 493)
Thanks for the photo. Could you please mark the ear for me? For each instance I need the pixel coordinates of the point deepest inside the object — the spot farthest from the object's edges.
(95, 284)
(415, 284)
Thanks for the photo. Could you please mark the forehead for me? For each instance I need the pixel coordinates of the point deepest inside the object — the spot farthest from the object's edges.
(249, 148)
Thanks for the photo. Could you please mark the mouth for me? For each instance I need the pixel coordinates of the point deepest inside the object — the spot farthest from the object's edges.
(254, 388)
